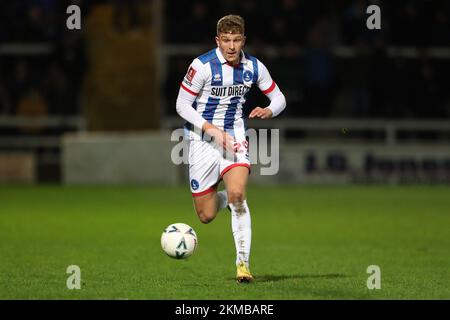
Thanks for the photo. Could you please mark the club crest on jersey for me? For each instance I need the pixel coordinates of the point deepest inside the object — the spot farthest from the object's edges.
(248, 76)
(217, 77)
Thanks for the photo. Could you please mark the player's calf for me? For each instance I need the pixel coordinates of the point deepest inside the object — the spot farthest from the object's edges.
(205, 216)
(206, 207)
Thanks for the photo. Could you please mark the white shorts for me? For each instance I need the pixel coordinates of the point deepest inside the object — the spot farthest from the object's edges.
(208, 164)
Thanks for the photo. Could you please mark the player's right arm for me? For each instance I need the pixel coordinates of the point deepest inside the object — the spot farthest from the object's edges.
(220, 137)
(191, 86)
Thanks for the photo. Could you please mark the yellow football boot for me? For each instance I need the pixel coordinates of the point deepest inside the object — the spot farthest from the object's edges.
(243, 273)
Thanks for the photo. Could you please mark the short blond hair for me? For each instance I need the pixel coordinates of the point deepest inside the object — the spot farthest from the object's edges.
(231, 24)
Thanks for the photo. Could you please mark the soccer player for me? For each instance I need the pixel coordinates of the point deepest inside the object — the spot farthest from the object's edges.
(210, 99)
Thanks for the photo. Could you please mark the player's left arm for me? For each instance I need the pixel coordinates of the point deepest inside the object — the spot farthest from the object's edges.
(272, 91)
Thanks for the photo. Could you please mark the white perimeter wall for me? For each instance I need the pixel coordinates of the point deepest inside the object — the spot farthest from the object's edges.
(105, 158)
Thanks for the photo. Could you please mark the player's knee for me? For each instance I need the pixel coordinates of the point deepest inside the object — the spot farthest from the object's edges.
(235, 196)
(204, 216)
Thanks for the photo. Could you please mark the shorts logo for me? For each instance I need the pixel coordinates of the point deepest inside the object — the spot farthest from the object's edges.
(194, 184)
(248, 76)
(190, 74)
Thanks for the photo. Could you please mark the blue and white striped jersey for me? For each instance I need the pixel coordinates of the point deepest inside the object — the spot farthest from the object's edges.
(221, 89)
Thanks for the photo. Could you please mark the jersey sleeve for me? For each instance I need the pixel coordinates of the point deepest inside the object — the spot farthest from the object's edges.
(194, 79)
(190, 87)
(265, 82)
(271, 90)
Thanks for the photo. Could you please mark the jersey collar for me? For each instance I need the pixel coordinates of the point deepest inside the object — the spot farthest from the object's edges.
(222, 60)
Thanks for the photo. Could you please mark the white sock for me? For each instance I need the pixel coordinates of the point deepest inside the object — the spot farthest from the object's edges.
(242, 231)
(223, 200)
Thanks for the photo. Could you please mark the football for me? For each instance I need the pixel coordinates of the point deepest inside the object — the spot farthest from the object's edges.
(179, 241)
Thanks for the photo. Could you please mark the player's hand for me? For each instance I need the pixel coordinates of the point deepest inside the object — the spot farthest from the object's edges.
(263, 113)
(228, 142)
(220, 137)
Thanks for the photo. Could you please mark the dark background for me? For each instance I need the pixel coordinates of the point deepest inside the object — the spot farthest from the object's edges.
(321, 54)
(317, 82)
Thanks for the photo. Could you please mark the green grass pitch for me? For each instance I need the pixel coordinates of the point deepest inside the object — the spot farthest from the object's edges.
(308, 242)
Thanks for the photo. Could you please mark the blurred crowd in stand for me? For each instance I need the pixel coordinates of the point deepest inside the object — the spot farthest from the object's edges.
(318, 80)
(43, 64)
(299, 40)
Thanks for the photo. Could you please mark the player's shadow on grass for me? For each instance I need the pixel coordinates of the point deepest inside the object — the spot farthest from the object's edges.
(271, 277)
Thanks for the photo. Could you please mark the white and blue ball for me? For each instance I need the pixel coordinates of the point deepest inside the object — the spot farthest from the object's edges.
(179, 241)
